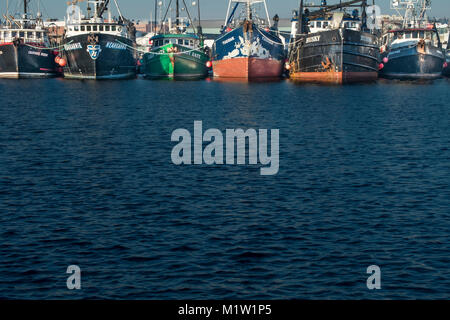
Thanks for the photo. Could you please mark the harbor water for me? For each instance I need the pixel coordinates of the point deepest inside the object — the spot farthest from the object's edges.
(86, 179)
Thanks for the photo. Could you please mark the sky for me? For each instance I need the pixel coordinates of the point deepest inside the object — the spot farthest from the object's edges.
(211, 9)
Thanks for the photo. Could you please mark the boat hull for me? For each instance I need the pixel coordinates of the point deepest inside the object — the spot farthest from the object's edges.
(409, 64)
(108, 57)
(19, 61)
(175, 62)
(446, 71)
(251, 68)
(248, 54)
(335, 56)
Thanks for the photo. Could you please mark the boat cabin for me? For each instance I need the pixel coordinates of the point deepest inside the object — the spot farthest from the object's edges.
(87, 27)
(328, 22)
(190, 41)
(27, 30)
(27, 35)
(403, 37)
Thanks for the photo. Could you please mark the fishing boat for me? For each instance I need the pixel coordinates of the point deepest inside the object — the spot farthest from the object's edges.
(24, 47)
(413, 51)
(446, 71)
(333, 46)
(95, 47)
(248, 47)
(444, 34)
(176, 53)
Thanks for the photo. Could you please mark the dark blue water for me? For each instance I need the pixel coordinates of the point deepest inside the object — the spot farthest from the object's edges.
(86, 178)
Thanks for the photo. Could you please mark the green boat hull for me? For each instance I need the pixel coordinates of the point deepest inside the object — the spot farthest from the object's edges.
(183, 64)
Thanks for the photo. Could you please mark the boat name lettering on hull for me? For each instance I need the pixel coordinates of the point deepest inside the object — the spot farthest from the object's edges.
(74, 46)
(366, 39)
(228, 40)
(196, 55)
(116, 46)
(313, 39)
(36, 53)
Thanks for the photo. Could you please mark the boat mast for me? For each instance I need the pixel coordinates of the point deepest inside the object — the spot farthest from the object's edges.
(178, 14)
(199, 28)
(249, 10)
(300, 19)
(156, 15)
(267, 14)
(25, 8)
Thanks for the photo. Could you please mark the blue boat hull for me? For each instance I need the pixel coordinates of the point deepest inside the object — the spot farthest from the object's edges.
(409, 64)
(248, 53)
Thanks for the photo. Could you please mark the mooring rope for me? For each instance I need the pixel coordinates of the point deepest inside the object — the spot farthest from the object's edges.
(270, 40)
(158, 53)
(45, 48)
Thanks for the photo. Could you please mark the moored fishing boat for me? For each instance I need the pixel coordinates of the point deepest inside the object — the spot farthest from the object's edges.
(24, 48)
(249, 48)
(98, 48)
(446, 71)
(414, 51)
(177, 54)
(341, 49)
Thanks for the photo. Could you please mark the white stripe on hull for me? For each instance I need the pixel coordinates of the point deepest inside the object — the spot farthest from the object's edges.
(108, 77)
(19, 75)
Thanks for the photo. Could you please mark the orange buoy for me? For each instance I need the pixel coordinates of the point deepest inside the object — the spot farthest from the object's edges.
(62, 62)
(57, 59)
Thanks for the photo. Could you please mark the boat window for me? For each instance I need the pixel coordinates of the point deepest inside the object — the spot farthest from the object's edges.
(106, 28)
(166, 41)
(83, 28)
(428, 35)
(408, 36)
(319, 24)
(186, 42)
(21, 34)
(14, 34)
(191, 42)
(422, 34)
(100, 28)
(39, 35)
(70, 29)
(94, 28)
(113, 28)
(76, 28)
(180, 41)
(415, 34)
(325, 24)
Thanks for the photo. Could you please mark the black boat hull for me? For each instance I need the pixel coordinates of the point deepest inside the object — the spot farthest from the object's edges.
(336, 56)
(109, 57)
(409, 64)
(24, 61)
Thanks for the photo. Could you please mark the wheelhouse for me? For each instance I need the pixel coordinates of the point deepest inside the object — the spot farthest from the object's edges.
(26, 35)
(185, 40)
(401, 36)
(87, 27)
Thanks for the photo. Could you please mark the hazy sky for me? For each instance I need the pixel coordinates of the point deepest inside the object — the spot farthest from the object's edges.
(211, 9)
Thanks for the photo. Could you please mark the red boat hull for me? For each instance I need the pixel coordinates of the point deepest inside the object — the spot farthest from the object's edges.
(248, 68)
